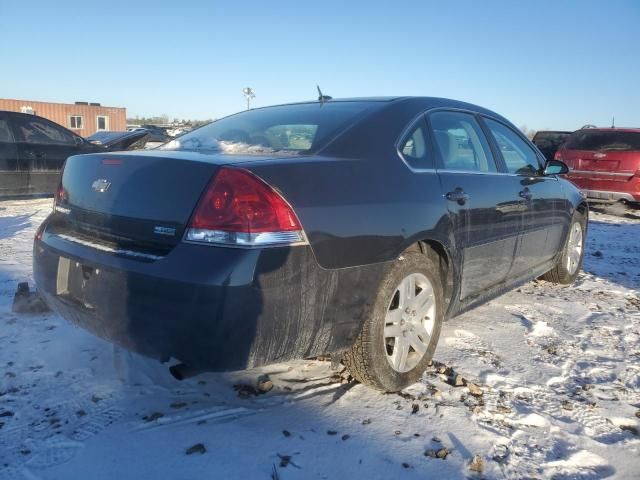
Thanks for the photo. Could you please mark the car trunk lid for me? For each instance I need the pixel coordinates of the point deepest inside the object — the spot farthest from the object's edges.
(133, 202)
(612, 165)
(611, 154)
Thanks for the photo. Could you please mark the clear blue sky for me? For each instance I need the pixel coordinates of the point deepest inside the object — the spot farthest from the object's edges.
(546, 64)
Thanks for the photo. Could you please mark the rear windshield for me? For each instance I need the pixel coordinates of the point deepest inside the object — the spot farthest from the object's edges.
(287, 129)
(550, 137)
(604, 140)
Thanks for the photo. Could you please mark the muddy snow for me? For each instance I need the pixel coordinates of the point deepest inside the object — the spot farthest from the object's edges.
(543, 382)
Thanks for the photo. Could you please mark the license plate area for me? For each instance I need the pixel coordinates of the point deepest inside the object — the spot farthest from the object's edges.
(75, 281)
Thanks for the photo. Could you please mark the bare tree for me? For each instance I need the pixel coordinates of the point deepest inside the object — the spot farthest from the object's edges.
(529, 132)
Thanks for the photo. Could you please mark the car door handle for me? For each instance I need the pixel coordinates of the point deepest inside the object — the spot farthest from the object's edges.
(526, 194)
(458, 195)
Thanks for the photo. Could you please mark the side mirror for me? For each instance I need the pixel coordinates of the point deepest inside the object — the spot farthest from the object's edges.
(78, 140)
(555, 167)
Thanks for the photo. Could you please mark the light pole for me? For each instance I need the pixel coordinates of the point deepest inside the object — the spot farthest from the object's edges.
(248, 94)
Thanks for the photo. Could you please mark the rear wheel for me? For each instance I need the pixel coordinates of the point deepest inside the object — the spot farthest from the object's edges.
(398, 340)
(570, 262)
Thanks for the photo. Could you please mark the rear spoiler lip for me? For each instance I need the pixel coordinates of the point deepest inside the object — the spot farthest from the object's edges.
(212, 158)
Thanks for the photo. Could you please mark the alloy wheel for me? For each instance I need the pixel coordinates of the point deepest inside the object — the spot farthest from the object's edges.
(409, 322)
(574, 248)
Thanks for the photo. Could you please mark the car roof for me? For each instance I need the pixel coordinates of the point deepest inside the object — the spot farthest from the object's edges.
(30, 115)
(553, 131)
(434, 100)
(424, 103)
(616, 129)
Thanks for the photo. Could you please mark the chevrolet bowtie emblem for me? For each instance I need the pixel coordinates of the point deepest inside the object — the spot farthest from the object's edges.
(101, 185)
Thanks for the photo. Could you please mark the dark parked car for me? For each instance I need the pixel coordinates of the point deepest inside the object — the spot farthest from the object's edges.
(604, 163)
(343, 227)
(549, 141)
(128, 140)
(156, 134)
(33, 150)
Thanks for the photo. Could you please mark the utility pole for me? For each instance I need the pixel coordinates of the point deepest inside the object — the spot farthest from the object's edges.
(248, 94)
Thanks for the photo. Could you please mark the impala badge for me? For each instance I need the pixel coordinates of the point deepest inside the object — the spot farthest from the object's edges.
(162, 230)
(101, 185)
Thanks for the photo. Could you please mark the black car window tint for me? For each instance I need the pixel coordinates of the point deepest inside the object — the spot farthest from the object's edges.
(288, 129)
(5, 132)
(414, 148)
(461, 143)
(519, 157)
(37, 131)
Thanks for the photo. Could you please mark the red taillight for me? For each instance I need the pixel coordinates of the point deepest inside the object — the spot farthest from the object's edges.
(40, 231)
(61, 194)
(238, 208)
(60, 198)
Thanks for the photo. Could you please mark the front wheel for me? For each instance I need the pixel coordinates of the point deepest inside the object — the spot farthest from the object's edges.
(398, 340)
(570, 261)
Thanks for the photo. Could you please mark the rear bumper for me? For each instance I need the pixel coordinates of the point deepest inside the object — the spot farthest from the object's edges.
(607, 186)
(212, 308)
(611, 197)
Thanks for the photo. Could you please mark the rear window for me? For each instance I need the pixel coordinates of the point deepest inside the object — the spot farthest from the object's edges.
(287, 129)
(550, 138)
(604, 140)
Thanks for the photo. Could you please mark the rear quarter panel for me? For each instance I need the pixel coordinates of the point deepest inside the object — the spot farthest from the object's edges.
(360, 211)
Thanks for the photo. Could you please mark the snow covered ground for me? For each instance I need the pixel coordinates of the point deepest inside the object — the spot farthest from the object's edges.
(558, 369)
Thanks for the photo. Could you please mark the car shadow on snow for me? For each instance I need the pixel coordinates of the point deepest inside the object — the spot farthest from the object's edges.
(310, 424)
(10, 226)
(602, 259)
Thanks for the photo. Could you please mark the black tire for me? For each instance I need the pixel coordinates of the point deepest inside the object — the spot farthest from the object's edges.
(367, 360)
(560, 273)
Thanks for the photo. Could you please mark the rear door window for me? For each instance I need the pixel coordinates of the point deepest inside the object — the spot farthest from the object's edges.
(5, 132)
(604, 140)
(8, 149)
(518, 155)
(461, 142)
(40, 132)
(414, 147)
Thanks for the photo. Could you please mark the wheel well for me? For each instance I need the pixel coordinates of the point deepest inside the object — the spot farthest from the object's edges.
(583, 208)
(443, 260)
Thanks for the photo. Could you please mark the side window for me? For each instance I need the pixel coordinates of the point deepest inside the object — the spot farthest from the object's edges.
(414, 148)
(38, 131)
(461, 142)
(518, 155)
(5, 131)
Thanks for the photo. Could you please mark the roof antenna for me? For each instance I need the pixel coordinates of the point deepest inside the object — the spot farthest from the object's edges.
(613, 122)
(322, 98)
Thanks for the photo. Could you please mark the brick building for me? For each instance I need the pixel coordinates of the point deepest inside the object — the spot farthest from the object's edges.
(82, 118)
